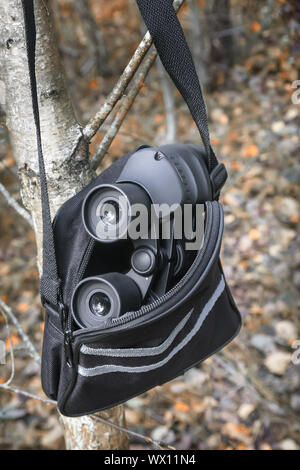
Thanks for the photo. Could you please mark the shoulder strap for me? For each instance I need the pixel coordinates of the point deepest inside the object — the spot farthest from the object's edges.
(168, 37)
(50, 284)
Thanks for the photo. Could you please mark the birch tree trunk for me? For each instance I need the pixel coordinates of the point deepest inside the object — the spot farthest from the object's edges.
(66, 158)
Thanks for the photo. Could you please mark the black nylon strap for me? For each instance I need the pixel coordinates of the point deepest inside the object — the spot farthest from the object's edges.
(49, 282)
(168, 37)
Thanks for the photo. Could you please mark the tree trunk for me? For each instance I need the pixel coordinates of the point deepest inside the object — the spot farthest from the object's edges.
(219, 23)
(197, 40)
(66, 158)
(221, 46)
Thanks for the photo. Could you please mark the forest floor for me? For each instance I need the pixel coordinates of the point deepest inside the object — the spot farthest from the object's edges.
(248, 395)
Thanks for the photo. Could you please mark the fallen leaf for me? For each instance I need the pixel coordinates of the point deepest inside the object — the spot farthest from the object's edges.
(254, 234)
(15, 340)
(22, 307)
(250, 151)
(265, 446)
(235, 165)
(294, 218)
(181, 406)
(93, 84)
(256, 310)
(9, 161)
(255, 27)
(158, 118)
(237, 432)
(242, 447)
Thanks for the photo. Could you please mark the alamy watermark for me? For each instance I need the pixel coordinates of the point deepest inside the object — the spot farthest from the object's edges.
(296, 354)
(296, 94)
(116, 219)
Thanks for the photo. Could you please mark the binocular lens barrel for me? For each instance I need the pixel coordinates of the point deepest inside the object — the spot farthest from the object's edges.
(100, 298)
(106, 210)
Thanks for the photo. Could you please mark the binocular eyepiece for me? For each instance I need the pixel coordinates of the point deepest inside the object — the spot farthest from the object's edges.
(107, 210)
(101, 298)
(159, 178)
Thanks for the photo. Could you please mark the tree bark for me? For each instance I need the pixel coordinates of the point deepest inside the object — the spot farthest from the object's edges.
(66, 159)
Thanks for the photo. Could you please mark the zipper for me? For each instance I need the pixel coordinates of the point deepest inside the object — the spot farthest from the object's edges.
(65, 315)
(80, 273)
(63, 312)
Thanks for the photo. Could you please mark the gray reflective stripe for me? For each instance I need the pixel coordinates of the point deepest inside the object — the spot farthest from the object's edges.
(94, 371)
(138, 352)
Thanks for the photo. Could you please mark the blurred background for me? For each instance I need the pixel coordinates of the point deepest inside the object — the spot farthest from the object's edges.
(247, 56)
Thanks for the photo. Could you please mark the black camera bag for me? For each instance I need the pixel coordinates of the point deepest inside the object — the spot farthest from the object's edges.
(88, 370)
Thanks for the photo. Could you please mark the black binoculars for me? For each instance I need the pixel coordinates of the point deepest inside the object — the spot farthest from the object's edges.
(135, 217)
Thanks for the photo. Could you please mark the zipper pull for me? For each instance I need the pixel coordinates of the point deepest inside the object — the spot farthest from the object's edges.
(68, 338)
(63, 315)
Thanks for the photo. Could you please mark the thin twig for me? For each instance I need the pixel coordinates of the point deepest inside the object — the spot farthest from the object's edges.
(13, 203)
(159, 444)
(269, 401)
(127, 102)
(27, 394)
(131, 135)
(147, 439)
(168, 97)
(28, 343)
(11, 352)
(93, 125)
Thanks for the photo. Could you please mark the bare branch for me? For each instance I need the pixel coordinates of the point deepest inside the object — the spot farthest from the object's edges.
(27, 394)
(11, 352)
(265, 396)
(13, 203)
(92, 127)
(135, 434)
(168, 96)
(128, 101)
(31, 348)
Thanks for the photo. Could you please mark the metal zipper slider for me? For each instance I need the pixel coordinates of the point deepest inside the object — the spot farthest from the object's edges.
(68, 338)
(63, 315)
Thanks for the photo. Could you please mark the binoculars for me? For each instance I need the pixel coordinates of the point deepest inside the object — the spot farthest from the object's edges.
(133, 224)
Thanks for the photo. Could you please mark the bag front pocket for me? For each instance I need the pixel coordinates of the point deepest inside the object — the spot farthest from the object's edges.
(123, 364)
(172, 335)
